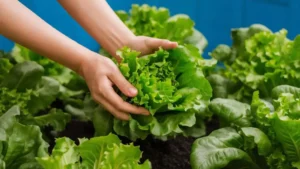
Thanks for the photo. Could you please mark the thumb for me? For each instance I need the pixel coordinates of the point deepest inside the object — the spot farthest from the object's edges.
(126, 88)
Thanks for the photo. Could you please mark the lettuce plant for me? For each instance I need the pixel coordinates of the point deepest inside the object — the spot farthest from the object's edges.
(145, 20)
(23, 84)
(257, 136)
(257, 60)
(105, 152)
(20, 144)
(172, 86)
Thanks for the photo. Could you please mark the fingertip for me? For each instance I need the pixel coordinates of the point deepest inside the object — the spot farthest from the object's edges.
(173, 44)
(145, 112)
(132, 92)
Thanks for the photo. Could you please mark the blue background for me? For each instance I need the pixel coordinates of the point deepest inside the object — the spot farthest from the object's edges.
(214, 18)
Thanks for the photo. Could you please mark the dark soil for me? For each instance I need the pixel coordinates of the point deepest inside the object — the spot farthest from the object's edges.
(171, 154)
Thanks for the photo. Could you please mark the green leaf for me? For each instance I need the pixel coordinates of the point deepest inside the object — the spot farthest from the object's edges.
(46, 92)
(231, 112)
(258, 137)
(171, 85)
(51, 68)
(287, 134)
(55, 118)
(277, 91)
(107, 152)
(102, 121)
(22, 142)
(197, 39)
(219, 149)
(5, 67)
(23, 76)
(64, 155)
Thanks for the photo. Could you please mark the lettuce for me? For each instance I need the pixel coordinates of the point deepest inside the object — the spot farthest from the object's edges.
(145, 20)
(269, 139)
(105, 152)
(258, 59)
(171, 85)
(24, 85)
(20, 144)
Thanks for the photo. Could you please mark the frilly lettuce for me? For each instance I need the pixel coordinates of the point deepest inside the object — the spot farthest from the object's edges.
(258, 59)
(145, 20)
(105, 152)
(171, 85)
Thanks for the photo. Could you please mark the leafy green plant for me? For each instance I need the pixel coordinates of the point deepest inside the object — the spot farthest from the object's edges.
(172, 86)
(20, 144)
(105, 152)
(24, 85)
(145, 20)
(257, 60)
(261, 135)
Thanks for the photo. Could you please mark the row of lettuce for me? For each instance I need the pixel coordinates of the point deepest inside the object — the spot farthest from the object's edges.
(255, 96)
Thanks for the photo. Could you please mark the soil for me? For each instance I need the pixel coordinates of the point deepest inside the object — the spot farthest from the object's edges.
(170, 154)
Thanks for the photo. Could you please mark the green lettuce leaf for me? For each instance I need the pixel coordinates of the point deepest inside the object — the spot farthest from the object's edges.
(171, 85)
(105, 152)
(51, 68)
(22, 143)
(221, 148)
(231, 112)
(258, 59)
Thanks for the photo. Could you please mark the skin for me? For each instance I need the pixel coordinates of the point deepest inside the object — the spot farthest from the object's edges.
(22, 26)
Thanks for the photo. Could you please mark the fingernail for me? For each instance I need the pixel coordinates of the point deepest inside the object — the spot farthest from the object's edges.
(132, 91)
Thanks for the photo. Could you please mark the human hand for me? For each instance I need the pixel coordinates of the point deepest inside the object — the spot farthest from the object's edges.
(101, 74)
(147, 45)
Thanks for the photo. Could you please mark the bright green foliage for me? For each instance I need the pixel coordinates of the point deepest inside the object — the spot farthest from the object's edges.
(51, 68)
(156, 22)
(5, 67)
(258, 60)
(106, 152)
(20, 144)
(145, 20)
(24, 85)
(171, 85)
(271, 141)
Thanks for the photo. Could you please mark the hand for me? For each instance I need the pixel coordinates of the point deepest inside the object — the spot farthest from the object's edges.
(147, 45)
(101, 74)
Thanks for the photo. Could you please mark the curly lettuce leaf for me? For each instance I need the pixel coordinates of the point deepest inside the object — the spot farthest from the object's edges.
(5, 67)
(152, 21)
(105, 152)
(258, 59)
(171, 85)
(64, 156)
(10, 98)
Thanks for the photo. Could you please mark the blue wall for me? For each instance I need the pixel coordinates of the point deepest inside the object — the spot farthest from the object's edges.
(214, 18)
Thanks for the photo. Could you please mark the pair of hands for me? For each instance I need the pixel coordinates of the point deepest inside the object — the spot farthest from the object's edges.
(101, 74)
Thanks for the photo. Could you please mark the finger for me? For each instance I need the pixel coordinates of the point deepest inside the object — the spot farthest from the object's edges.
(126, 88)
(116, 113)
(155, 43)
(118, 103)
